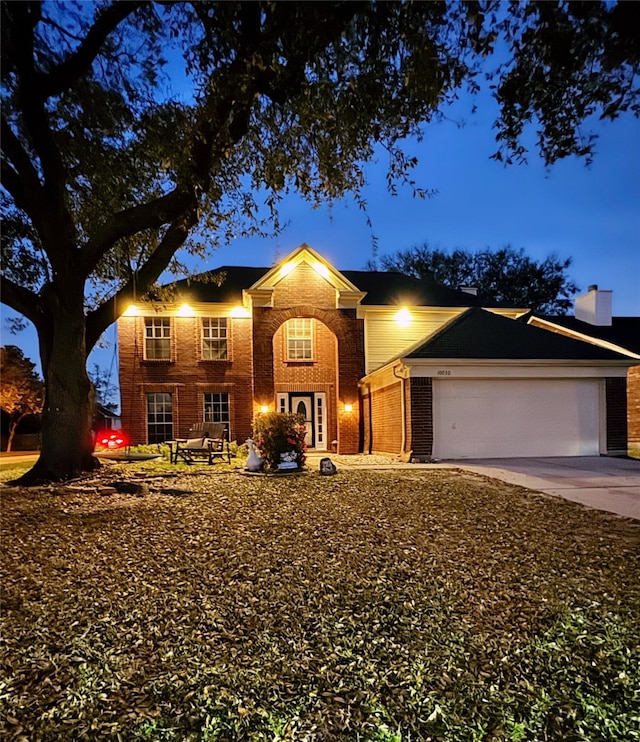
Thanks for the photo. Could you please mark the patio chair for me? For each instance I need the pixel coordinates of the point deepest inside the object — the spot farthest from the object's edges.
(208, 442)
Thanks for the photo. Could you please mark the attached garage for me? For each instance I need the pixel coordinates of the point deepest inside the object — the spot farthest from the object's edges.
(485, 418)
(486, 386)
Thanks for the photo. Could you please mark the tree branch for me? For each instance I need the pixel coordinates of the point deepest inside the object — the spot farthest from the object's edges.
(78, 63)
(99, 319)
(21, 178)
(21, 299)
(151, 215)
(19, 158)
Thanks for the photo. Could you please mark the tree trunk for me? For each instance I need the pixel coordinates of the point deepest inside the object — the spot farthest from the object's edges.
(12, 431)
(67, 414)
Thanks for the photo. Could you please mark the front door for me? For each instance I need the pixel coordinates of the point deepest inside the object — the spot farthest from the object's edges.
(303, 405)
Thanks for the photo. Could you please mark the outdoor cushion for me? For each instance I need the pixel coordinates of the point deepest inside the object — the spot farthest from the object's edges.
(193, 443)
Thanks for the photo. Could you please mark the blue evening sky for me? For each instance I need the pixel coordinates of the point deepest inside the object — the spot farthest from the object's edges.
(591, 214)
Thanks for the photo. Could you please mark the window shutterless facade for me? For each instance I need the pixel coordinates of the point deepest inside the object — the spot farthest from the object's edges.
(216, 409)
(215, 339)
(299, 334)
(159, 417)
(157, 339)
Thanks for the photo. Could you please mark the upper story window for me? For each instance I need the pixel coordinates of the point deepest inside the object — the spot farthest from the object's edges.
(215, 340)
(299, 334)
(157, 339)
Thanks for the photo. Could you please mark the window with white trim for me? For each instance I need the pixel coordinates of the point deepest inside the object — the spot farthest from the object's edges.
(157, 339)
(216, 409)
(299, 333)
(159, 417)
(215, 345)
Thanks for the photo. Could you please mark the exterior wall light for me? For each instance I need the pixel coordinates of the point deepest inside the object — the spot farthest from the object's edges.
(403, 317)
(287, 268)
(131, 311)
(321, 269)
(240, 312)
(185, 311)
(264, 408)
(348, 408)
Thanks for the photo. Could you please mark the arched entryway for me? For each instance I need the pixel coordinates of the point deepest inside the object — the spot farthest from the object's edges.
(305, 375)
(328, 380)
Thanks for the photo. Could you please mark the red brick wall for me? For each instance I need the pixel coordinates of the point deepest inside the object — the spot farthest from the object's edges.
(187, 378)
(322, 370)
(339, 347)
(367, 435)
(347, 345)
(633, 410)
(319, 375)
(420, 424)
(304, 285)
(386, 420)
(257, 368)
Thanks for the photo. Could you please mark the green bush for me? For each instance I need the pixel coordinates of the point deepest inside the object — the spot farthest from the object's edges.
(275, 433)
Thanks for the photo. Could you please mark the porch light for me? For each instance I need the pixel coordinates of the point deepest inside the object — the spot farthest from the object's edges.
(403, 317)
(264, 408)
(348, 408)
(131, 311)
(321, 269)
(185, 311)
(240, 312)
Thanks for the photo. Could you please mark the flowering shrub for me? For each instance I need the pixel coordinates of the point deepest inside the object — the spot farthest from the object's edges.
(276, 433)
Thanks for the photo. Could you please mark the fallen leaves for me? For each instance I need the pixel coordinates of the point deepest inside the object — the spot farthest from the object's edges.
(371, 606)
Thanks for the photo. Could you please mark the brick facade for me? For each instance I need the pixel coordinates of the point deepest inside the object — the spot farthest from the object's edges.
(186, 377)
(386, 422)
(258, 373)
(633, 411)
(421, 416)
(257, 369)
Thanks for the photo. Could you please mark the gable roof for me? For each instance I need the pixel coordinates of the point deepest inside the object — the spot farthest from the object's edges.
(382, 288)
(304, 254)
(623, 331)
(478, 333)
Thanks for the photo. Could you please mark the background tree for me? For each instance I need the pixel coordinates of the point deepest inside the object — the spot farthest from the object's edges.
(21, 390)
(505, 275)
(104, 387)
(107, 171)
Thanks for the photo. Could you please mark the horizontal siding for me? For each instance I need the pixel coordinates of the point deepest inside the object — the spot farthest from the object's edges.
(385, 339)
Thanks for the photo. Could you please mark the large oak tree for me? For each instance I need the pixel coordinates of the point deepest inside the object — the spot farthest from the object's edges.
(113, 161)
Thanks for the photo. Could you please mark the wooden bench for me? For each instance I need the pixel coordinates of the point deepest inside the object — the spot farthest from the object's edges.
(206, 442)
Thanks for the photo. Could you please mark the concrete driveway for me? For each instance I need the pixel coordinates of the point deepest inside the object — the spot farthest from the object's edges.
(610, 484)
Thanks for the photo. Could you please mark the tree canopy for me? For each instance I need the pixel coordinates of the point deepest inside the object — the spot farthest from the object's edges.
(131, 130)
(21, 391)
(505, 275)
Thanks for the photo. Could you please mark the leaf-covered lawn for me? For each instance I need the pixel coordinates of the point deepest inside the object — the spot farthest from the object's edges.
(381, 606)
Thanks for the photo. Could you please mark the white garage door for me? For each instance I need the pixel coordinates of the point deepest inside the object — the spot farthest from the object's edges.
(514, 417)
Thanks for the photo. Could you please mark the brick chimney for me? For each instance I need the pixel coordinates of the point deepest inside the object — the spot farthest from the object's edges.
(594, 307)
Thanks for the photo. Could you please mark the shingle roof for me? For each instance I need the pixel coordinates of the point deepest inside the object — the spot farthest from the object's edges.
(383, 288)
(234, 279)
(624, 331)
(478, 333)
(397, 289)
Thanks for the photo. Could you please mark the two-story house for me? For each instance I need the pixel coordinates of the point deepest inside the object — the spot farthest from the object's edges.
(375, 361)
